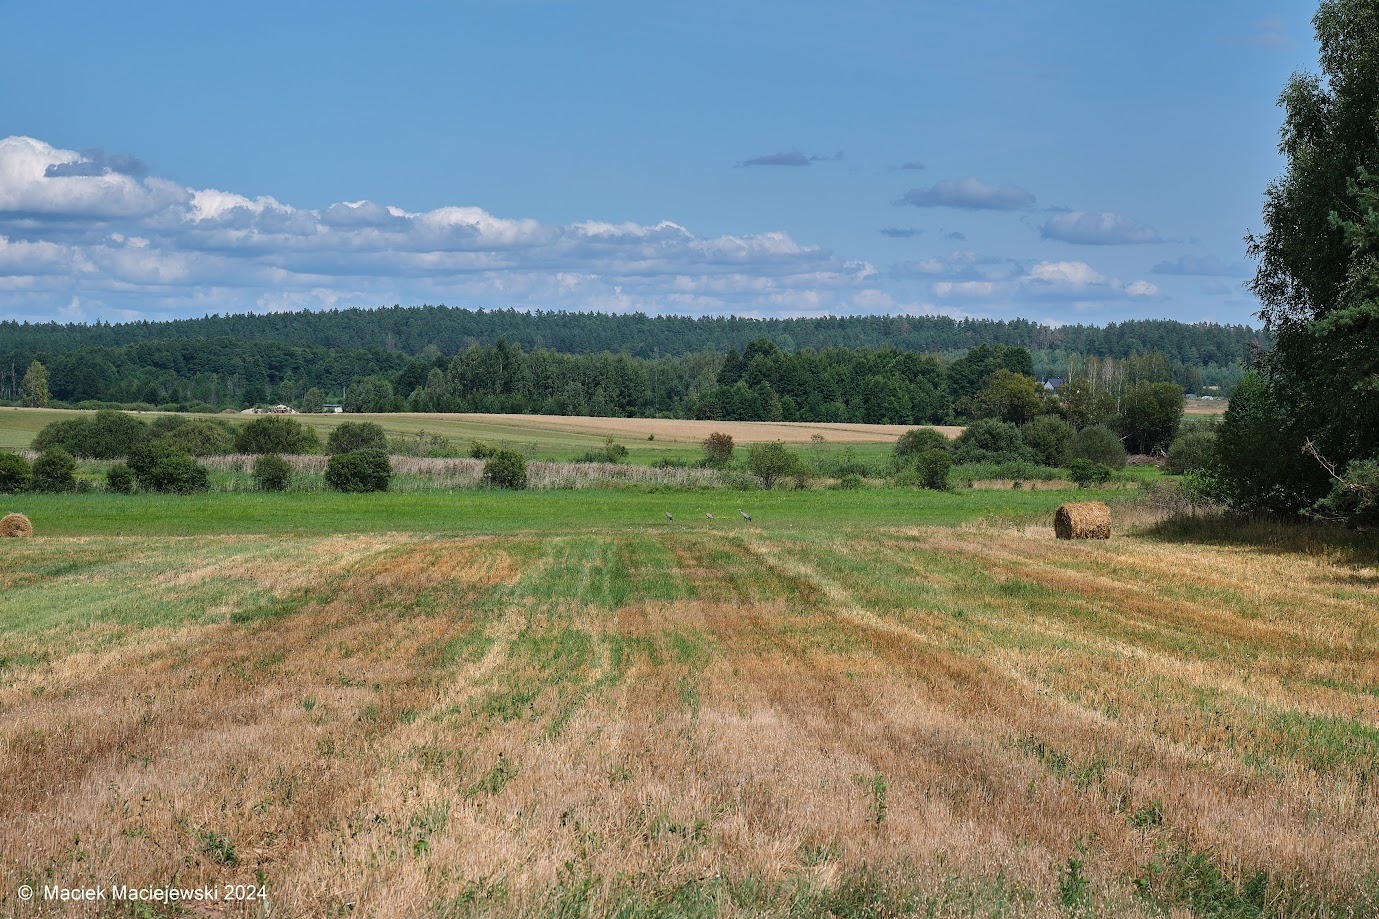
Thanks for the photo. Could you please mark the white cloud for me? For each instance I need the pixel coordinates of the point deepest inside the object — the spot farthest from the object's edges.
(1074, 274)
(212, 204)
(1097, 229)
(1074, 282)
(25, 187)
(982, 289)
(116, 241)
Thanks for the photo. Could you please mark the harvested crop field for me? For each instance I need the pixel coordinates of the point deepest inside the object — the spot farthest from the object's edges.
(681, 429)
(1209, 407)
(972, 720)
(549, 435)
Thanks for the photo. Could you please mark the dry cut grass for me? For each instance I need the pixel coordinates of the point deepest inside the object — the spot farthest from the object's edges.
(940, 721)
(676, 429)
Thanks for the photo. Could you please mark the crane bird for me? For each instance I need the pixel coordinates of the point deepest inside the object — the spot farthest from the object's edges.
(670, 518)
(707, 514)
(745, 516)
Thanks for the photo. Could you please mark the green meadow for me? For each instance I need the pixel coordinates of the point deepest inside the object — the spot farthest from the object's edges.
(475, 512)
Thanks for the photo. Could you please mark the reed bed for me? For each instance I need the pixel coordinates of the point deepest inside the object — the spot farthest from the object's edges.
(412, 473)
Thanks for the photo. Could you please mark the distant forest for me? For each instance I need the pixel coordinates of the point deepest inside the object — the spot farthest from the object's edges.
(433, 358)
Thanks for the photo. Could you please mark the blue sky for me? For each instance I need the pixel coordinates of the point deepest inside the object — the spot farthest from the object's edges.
(1058, 161)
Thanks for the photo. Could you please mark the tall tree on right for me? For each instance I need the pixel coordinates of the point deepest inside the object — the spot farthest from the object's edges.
(1318, 265)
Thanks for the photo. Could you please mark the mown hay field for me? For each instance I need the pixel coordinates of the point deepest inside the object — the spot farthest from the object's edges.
(849, 718)
(1215, 406)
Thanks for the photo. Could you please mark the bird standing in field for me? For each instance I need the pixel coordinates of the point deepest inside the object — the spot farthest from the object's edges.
(670, 518)
(745, 516)
(707, 514)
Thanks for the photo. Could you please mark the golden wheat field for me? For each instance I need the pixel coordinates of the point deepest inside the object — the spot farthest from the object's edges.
(975, 720)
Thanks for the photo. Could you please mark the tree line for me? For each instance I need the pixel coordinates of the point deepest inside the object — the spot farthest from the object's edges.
(763, 382)
(411, 331)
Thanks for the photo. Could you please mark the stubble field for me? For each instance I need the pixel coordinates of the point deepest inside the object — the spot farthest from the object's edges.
(746, 719)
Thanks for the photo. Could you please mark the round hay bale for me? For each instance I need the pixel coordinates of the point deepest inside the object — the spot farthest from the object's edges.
(16, 525)
(1083, 520)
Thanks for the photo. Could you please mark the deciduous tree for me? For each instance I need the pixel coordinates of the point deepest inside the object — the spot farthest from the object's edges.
(1317, 275)
(33, 391)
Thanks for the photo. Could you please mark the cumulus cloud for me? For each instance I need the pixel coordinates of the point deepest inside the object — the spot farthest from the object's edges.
(966, 275)
(1097, 229)
(1077, 274)
(1078, 280)
(115, 242)
(977, 289)
(26, 187)
(1201, 266)
(970, 194)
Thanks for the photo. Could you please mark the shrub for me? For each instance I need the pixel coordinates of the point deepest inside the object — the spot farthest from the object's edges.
(359, 471)
(506, 469)
(107, 434)
(771, 462)
(1085, 472)
(991, 441)
(67, 433)
(352, 436)
(612, 452)
(917, 441)
(146, 456)
(847, 464)
(1259, 462)
(480, 450)
(175, 473)
(932, 468)
(54, 470)
(849, 481)
(1099, 444)
(15, 473)
(1354, 498)
(718, 450)
(272, 473)
(165, 424)
(1048, 436)
(422, 443)
(119, 479)
(202, 437)
(277, 434)
(1191, 452)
